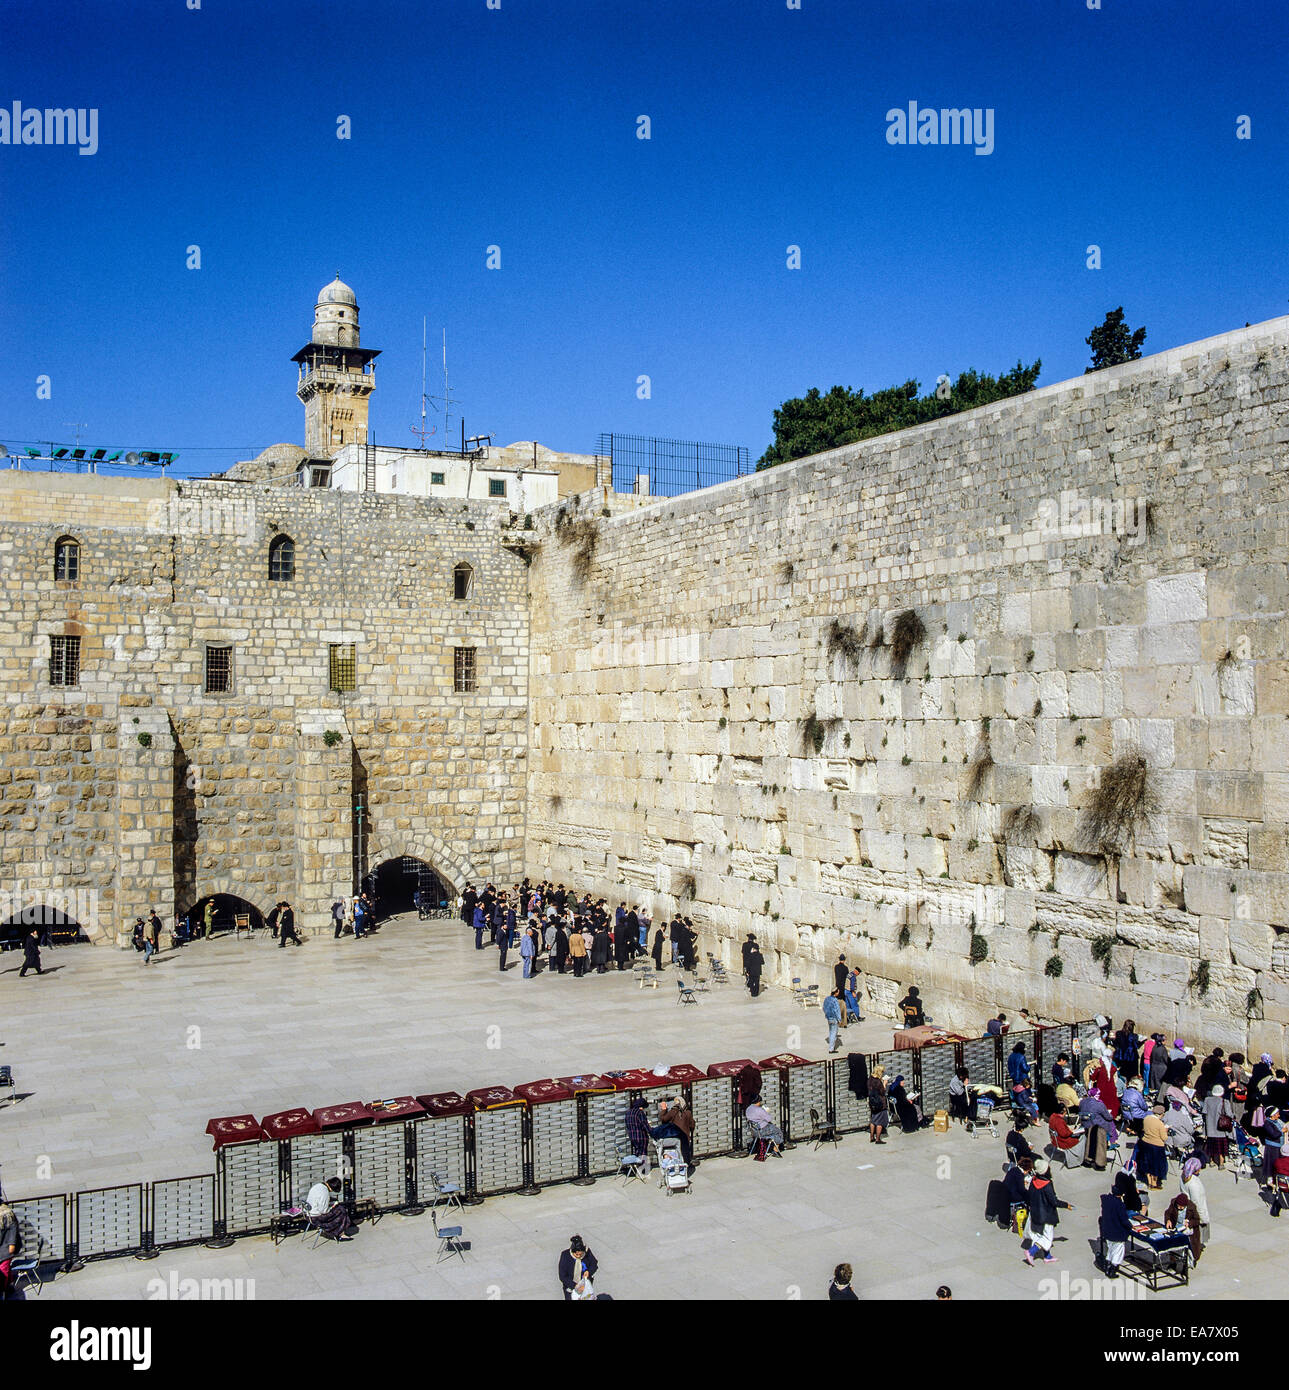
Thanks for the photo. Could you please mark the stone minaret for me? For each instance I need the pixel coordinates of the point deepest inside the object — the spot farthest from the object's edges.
(336, 375)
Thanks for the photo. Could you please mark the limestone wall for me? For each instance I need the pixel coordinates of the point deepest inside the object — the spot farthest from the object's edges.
(139, 788)
(1100, 568)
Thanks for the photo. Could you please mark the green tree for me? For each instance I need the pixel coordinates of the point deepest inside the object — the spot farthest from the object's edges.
(1113, 342)
(814, 422)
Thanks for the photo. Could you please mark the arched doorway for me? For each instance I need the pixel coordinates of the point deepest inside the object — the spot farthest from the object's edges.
(55, 928)
(227, 908)
(397, 883)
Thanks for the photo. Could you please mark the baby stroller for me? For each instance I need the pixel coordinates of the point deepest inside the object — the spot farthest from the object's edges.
(984, 1107)
(673, 1171)
(1246, 1161)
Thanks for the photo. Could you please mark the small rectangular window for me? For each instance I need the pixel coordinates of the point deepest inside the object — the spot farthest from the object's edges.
(219, 670)
(436, 479)
(463, 670)
(64, 661)
(321, 477)
(344, 666)
(496, 487)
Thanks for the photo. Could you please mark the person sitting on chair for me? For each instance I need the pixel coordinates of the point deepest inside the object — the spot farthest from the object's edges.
(910, 1117)
(638, 1133)
(676, 1122)
(1062, 1136)
(327, 1212)
(765, 1134)
(910, 1008)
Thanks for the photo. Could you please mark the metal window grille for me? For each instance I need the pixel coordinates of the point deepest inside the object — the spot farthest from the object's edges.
(67, 561)
(462, 578)
(437, 479)
(282, 558)
(64, 661)
(463, 670)
(344, 666)
(321, 477)
(219, 670)
(496, 487)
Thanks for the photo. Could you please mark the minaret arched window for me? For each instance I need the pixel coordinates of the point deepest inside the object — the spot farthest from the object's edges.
(282, 558)
(67, 559)
(462, 581)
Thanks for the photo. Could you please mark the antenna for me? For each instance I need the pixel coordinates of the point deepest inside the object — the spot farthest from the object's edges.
(423, 433)
(448, 399)
(78, 426)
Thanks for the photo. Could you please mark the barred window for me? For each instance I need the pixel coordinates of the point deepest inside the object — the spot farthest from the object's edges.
(219, 670)
(463, 670)
(436, 479)
(343, 666)
(462, 581)
(282, 558)
(64, 661)
(496, 487)
(67, 559)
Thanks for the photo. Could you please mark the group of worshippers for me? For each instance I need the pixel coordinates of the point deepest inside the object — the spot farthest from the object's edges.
(578, 934)
(1139, 1090)
(356, 916)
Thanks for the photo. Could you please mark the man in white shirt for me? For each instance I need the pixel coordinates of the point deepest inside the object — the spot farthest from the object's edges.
(327, 1212)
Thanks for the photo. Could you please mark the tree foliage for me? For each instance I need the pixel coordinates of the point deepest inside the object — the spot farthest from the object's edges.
(1113, 342)
(814, 422)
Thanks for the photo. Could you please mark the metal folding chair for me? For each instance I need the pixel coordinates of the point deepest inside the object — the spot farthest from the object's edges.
(445, 1193)
(630, 1167)
(450, 1243)
(686, 994)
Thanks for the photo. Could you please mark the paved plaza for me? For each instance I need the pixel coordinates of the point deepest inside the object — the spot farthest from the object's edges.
(124, 1064)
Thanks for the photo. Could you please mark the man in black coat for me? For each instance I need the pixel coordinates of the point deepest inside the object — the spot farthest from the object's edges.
(31, 953)
(468, 900)
(752, 963)
(287, 924)
(674, 936)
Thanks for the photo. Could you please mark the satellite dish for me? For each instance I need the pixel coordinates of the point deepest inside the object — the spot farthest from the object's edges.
(4, 453)
(131, 458)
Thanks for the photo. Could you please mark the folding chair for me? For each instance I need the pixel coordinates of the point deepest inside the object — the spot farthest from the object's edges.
(646, 975)
(450, 1243)
(241, 923)
(630, 1167)
(27, 1267)
(820, 1132)
(686, 994)
(445, 1193)
(8, 1090)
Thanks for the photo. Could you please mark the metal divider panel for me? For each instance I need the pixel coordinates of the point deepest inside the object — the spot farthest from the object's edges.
(555, 1140)
(314, 1158)
(606, 1124)
(43, 1223)
(109, 1220)
(440, 1148)
(978, 1056)
(183, 1209)
(1089, 1042)
(380, 1163)
(806, 1088)
(852, 1110)
(770, 1093)
(713, 1115)
(937, 1069)
(896, 1064)
(499, 1149)
(251, 1198)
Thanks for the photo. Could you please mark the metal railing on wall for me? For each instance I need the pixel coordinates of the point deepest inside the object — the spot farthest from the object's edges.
(398, 1165)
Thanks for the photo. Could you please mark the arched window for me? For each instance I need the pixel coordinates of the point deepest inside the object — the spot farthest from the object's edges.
(282, 558)
(67, 559)
(462, 581)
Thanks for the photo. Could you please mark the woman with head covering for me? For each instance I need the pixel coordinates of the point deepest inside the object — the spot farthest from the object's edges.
(1182, 1216)
(1158, 1063)
(910, 1116)
(1180, 1124)
(1152, 1149)
(1193, 1191)
(1262, 1068)
(1134, 1200)
(1273, 1137)
(1219, 1123)
(1103, 1084)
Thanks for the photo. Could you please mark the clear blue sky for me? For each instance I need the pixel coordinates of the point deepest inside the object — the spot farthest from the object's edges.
(620, 257)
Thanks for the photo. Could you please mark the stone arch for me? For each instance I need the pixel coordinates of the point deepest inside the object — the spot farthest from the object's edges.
(229, 887)
(454, 869)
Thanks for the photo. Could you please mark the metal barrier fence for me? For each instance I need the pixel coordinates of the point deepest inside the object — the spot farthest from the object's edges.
(400, 1165)
(670, 467)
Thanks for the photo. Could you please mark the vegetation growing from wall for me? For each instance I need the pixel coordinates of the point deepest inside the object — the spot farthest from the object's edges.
(1121, 802)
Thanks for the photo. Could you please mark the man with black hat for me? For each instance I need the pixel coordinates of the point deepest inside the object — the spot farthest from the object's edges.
(752, 963)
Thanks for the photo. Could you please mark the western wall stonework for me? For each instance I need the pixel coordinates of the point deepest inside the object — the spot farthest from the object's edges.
(697, 737)
(136, 788)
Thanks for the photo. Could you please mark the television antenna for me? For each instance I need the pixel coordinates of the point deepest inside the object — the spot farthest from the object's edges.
(425, 431)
